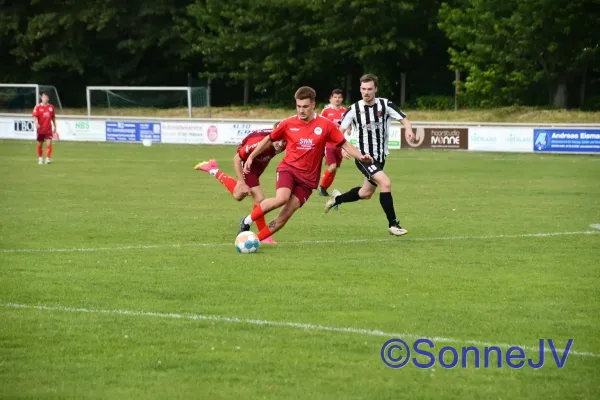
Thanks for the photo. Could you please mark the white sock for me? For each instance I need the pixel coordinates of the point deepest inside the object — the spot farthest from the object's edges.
(248, 220)
(213, 172)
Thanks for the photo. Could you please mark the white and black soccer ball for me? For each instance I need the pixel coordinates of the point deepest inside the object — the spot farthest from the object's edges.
(247, 242)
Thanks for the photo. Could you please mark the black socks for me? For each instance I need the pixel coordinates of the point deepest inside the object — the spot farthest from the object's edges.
(348, 197)
(387, 203)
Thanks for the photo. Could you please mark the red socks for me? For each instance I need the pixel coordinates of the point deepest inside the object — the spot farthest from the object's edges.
(260, 221)
(264, 233)
(257, 212)
(327, 179)
(39, 150)
(48, 151)
(226, 180)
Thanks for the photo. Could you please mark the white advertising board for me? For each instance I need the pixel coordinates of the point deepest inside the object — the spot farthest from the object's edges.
(207, 133)
(76, 130)
(502, 139)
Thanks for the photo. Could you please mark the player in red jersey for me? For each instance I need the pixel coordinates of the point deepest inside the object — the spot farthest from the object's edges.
(298, 173)
(333, 154)
(45, 123)
(247, 183)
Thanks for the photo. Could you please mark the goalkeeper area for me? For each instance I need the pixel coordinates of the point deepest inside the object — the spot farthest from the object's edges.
(167, 101)
(21, 98)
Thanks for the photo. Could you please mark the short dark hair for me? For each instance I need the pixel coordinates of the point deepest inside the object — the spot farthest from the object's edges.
(369, 78)
(336, 91)
(305, 92)
(44, 93)
(276, 124)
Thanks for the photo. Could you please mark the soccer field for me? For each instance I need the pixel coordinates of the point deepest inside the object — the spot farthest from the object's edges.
(119, 279)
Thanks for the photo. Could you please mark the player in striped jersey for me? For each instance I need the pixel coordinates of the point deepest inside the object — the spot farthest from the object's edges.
(370, 119)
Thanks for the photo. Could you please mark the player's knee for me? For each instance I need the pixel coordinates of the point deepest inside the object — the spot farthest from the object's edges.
(332, 168)
(282, 197)
(365, 194)
(238, 196)
(258, 199)
(386, 186)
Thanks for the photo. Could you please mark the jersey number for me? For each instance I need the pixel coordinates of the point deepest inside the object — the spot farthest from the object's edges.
(372, 168)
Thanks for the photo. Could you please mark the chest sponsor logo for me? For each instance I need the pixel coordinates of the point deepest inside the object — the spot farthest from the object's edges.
(305, 144)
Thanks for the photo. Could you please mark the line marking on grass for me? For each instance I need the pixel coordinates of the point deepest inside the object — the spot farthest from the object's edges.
(292, 243)
(299, 325)
(595, 226)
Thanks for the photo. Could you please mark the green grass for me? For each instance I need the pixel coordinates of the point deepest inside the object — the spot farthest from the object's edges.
(103, 196)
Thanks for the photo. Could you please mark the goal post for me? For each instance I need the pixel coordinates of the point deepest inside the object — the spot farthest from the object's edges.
(137, 98)
(25, 96)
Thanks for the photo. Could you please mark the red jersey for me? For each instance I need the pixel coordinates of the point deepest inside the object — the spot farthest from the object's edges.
(250, 143)
(335, 116)
(306, 145)
(44, 114)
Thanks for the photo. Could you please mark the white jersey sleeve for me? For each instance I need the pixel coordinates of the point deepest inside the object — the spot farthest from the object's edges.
(394, 111)
(347, 119)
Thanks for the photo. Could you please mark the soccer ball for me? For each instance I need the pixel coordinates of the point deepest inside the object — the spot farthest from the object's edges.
(247, 242)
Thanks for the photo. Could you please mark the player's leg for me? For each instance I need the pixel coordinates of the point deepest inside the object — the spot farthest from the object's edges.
(282, 195)
(258, 196)
(212, 168)
(333, 161)
(48, 149)
(387, 203)
(282, 218)
(363, 192)
(40, 149)
(300, 195)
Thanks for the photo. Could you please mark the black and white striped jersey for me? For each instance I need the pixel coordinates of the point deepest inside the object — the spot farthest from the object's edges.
(371, 125)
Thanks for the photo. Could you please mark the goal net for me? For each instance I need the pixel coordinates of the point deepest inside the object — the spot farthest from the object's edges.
(150, 101)
(23, 97)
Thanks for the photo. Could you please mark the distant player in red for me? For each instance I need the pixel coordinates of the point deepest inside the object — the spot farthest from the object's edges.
(333, 154)
(247, 183)
(298, 173)
(45, 123)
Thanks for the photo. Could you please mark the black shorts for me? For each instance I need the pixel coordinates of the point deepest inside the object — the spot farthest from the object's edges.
(368, 169)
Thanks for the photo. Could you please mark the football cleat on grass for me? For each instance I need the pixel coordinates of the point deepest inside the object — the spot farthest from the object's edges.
(331, 202)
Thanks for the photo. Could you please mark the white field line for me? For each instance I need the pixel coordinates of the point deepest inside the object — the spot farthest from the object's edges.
(299, 242)
(298, 325)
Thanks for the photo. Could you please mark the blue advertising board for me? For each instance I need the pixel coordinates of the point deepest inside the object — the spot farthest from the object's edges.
(132, 131)
(566, 140)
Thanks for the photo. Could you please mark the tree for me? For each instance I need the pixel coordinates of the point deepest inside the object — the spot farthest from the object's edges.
(508, 47)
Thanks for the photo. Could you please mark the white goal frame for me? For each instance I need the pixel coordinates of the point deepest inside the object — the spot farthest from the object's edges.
(32, 85)
(187, 89)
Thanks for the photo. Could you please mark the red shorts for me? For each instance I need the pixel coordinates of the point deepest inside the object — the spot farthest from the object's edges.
(252, 177)
(333, 155)
(287, 179)
(44, 136)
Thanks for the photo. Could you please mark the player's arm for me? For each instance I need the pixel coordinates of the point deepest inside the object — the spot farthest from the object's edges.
(353, 151)
(398, 115)
(338, 138)
(262, 146)
(237, 166)
(347, 119)
(54, 123)
(35, 118)
(239, 171)
(345, 154)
